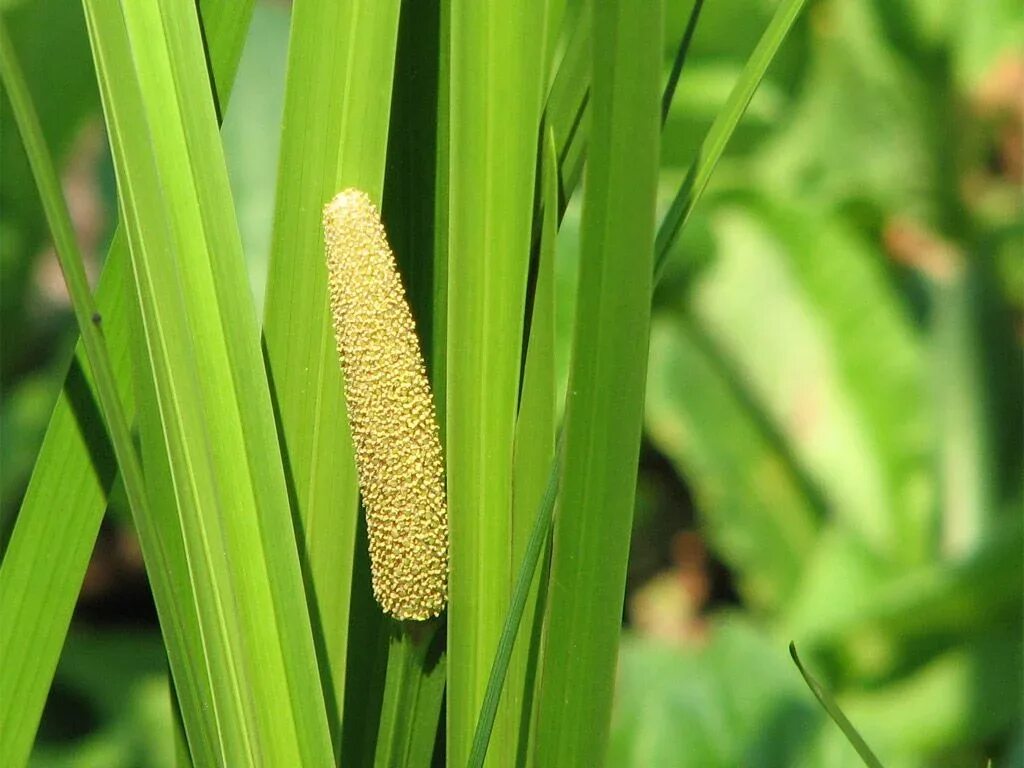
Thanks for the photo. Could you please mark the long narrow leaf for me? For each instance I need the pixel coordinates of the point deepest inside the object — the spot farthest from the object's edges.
(573, 141)
(680, 60)
(722, 129)
(75, 469)
(604, 409)
(18, 725)
(520, 597)
(497, 77)
(210, 395)
(192, 657)
(337, 103)
(535, 486)
(830, 706)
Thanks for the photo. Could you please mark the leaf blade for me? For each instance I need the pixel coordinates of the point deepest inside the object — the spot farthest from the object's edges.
(74, 469)
(337, 102)
(605, 401)
(722, 128)
(830, 706)
(494, 120)
(213, 440)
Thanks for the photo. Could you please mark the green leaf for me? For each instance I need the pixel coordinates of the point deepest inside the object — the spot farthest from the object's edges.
(74, 472)
(497, 77)
(182, 756)
(760, 514)
(722, 129)
(535, 485)
(728, 698)
(857, 428)
(521, 595)
(680, 59)
(605, 400)
(17, 735)
(535, 451)
(830, 706)
(337, 105)
(206, 420)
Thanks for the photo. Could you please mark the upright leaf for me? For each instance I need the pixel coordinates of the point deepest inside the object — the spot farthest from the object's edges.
(721, 130)
(337, 104)
(213, 440)
(75, 469)
(605, 399)
(535, 444)
(496, 86)
(414, 680)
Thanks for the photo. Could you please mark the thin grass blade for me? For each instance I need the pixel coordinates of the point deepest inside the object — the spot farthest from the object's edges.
(722, 129)
(830, 706)
(535, 450)
(680, 60)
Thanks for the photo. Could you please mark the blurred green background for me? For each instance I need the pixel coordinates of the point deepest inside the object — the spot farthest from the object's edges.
(835, 432)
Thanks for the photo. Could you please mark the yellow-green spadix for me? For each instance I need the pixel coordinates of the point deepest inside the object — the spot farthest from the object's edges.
(391, 412)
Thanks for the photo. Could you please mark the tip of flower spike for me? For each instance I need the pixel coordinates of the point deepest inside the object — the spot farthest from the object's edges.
(348, 199)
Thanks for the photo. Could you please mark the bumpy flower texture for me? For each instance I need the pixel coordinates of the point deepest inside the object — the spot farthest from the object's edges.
(391, 412)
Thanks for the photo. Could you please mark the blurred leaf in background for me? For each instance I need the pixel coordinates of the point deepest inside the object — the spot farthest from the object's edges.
(681, 706)
(110, 703)
(35, 319)
(252, 135)
(836, 378)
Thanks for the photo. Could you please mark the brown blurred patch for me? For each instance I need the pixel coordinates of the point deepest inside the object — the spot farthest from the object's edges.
(910, 243)
(669, 606)
(1000, 97)
(117, 560)
(84, 198)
